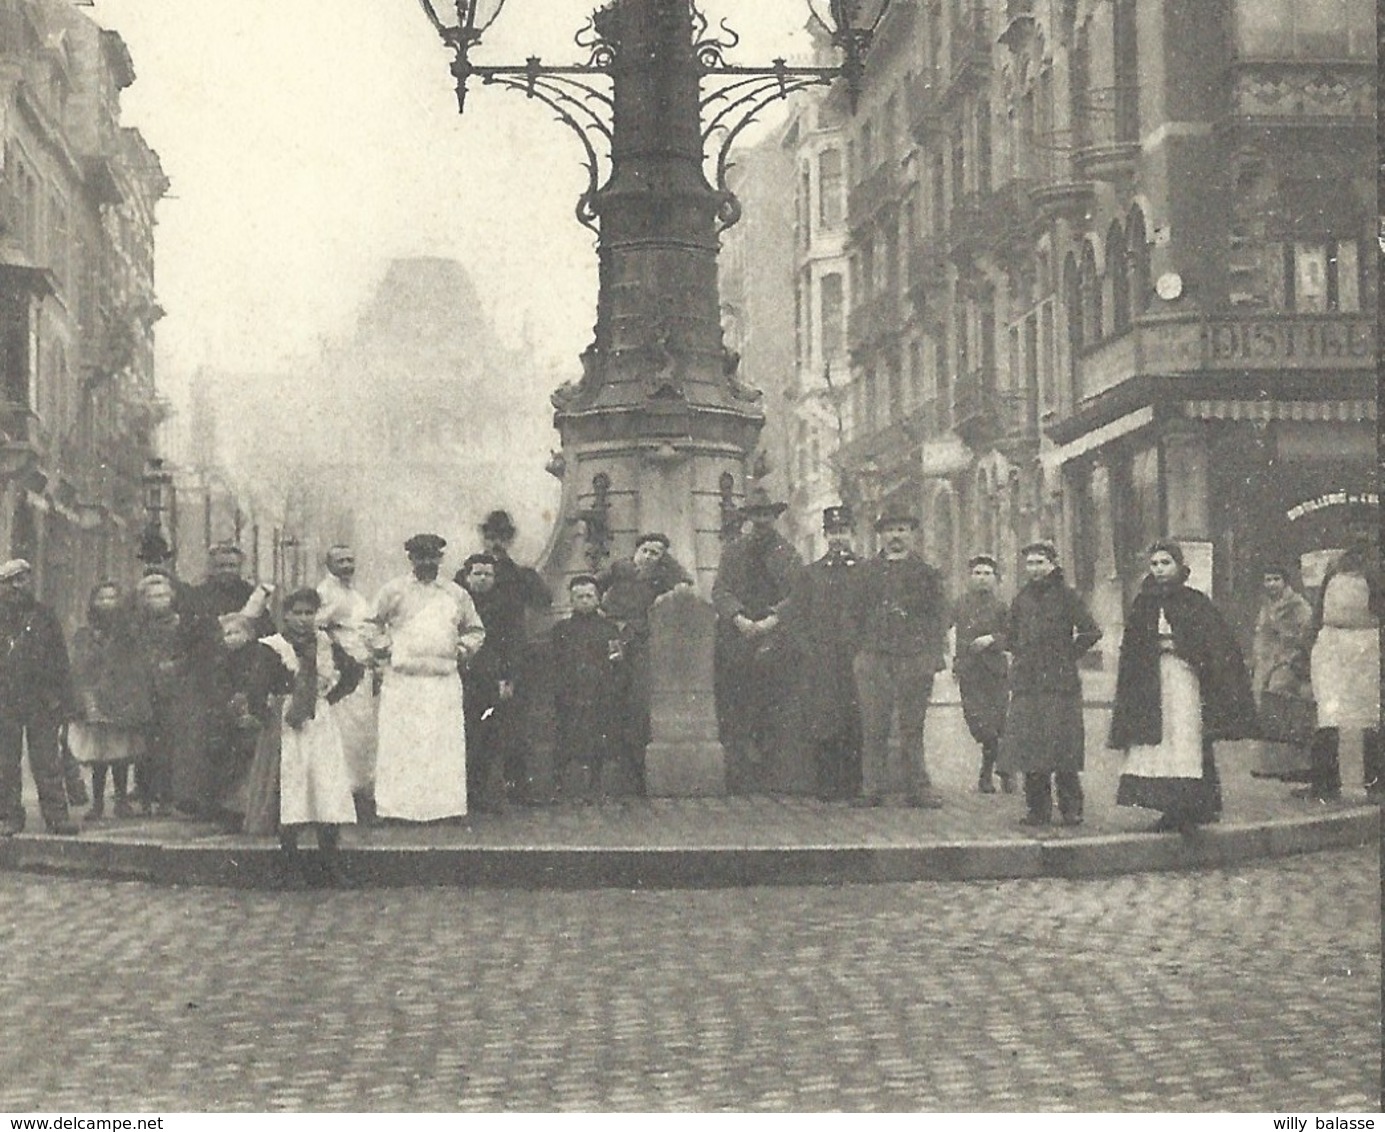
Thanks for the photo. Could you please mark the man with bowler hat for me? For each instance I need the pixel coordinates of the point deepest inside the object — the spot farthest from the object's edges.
(516, 589)
(819, 622)
(752, 658)
(899, 623)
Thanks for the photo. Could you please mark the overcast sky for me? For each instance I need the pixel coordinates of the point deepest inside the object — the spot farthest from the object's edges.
(309, 141)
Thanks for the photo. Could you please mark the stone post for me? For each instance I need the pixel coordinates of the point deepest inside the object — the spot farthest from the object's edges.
(685, 757)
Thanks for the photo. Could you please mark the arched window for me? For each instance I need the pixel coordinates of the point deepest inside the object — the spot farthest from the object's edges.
(1118, 271)
(1137, 261)
(1091, 296)
(1072, 314)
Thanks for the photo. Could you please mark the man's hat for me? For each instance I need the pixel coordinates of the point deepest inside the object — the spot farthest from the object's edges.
(14, 568)
(837, 519)
(983, 560)
(758, 502)
(425, 544)
(153, 547)
(499, 524)
(892, 516)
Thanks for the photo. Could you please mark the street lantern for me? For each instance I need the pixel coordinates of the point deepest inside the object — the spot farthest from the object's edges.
(157, 483)
(852, 25)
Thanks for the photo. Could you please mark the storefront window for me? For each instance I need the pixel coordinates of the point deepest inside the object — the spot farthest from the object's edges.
(1313, 29)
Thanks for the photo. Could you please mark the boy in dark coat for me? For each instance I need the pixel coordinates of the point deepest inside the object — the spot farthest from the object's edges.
(586, 649)
(1048, 629)
(980, 666)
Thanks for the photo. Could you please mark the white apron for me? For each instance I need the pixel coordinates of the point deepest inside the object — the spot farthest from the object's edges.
(1178, 754)
(1346, 677)
(420, 764)
(356, 720)
(313, 782)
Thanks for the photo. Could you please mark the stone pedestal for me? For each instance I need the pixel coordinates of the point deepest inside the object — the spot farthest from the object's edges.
(684, 758)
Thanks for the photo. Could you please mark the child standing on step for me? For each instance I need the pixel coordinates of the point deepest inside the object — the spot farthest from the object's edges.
(310, 673)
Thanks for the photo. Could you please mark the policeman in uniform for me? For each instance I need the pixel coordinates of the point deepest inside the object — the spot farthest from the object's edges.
(820, 621)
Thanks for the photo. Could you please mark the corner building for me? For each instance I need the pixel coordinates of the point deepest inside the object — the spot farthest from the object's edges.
(1111, 277)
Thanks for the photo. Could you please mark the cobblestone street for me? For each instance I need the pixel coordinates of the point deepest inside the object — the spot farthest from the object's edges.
(1252, 989)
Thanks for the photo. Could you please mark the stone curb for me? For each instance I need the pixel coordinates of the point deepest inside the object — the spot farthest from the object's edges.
(540, 867)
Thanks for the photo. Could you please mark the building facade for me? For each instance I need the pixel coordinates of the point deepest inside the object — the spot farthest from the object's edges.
(1110, 278)
(820, 399)
(78, 404)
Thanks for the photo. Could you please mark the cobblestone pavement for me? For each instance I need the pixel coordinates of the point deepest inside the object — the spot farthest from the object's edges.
(797, 821)
(1245, 990)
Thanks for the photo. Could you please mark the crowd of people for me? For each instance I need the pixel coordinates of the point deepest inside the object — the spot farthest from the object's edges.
(419, 704)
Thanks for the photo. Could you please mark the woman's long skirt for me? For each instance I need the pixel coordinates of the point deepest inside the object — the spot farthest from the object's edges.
(1175, 775)
(262, 783)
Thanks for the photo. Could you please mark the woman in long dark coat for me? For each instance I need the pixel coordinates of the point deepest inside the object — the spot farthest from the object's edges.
(980, 667)
(1048, 629)
(1181, 685)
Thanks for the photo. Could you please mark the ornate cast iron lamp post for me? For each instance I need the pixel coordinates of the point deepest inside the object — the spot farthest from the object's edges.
(659, 418)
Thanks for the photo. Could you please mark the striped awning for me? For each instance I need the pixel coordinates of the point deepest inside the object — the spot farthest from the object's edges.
(1363, 410)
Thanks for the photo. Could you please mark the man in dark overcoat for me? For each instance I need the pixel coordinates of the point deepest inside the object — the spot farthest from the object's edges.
(899, 623)
(517, 590)
(753, 666)
(223, 591)
(36, 699)
(819, 622)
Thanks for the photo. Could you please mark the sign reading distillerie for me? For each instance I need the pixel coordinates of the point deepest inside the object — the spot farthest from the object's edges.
(1291, 342)
(1332, 499)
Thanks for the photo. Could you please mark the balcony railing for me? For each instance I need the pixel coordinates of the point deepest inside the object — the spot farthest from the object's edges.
(969, 54)
(1266, 343)
(925, 107)
(1108, 135)
(880, 187)
(874, 319)
(982, 414)
(1058, 186)
(1302, 91)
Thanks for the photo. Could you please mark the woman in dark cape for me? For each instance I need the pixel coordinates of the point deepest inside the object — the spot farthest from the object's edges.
(1181, 685)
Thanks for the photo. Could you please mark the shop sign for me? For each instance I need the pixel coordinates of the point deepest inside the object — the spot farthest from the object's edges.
(1332, 499)
(1285, 343)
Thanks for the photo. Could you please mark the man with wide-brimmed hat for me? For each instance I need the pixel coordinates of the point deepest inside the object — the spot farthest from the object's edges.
(36, 699)
(819, 622)
(753, 670)
(900, 626)
(431, 624)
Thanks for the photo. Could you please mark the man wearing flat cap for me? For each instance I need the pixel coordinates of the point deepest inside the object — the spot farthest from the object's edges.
(827, 689)
(753, 665)
(430, 624)
(899, 624)
(36, 699)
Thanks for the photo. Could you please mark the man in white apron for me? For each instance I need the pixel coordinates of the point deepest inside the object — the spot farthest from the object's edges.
(429, 624)
(344, 615)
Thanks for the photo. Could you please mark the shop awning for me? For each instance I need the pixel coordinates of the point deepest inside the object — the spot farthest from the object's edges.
(1363, 410)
